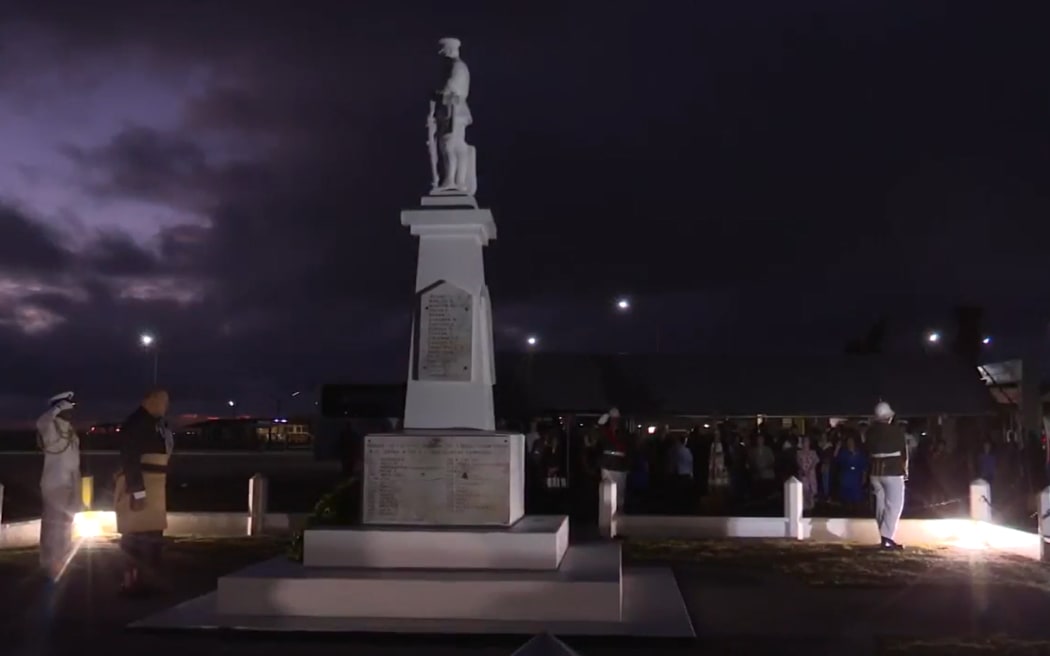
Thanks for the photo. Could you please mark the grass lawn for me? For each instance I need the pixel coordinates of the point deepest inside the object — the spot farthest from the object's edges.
(844, 564)
(197, 556)
(1000, 646)
(92, 611)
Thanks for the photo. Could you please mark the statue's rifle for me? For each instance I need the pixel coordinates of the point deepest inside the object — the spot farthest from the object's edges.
(432, 146)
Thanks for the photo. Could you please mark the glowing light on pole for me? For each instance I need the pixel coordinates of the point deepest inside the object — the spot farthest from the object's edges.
(986, 341)
(532, 340)
(933, 337)
(148, 341)
(623, 305)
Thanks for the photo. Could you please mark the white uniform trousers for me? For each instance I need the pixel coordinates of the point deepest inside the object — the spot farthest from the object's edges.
(889, 503)
(620, 478)
(56, 526)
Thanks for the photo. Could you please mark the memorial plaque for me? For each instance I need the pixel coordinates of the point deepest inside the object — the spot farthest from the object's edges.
(447, 480)
(445, 329)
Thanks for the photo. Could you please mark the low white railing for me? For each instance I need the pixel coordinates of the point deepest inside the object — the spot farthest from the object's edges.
(977, 532)
(95, 523)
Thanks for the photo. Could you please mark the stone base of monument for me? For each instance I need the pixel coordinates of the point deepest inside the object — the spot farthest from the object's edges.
(536, 542)
(585, 588)
(279, 596)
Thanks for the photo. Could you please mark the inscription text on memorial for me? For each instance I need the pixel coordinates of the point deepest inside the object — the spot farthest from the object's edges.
(446, 480)
(445, 330)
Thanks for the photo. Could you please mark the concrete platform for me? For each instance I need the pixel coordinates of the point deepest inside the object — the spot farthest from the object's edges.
(652, 608)
(585, 588)
(536, 542)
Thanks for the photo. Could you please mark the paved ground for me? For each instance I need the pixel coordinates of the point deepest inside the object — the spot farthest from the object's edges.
(745, 597)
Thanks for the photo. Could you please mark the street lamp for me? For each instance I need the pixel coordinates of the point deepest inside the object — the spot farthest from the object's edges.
(230, 403)
(279, 398)
(933, 337)
(987, 341)
(623, 305)
(532, 340)
(148, 341)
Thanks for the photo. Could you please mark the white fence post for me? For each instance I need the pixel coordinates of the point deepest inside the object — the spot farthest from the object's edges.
(793, 507)
(1, 503)
(981, 500)
(1044, 524)
(607, 509)
(258, 489)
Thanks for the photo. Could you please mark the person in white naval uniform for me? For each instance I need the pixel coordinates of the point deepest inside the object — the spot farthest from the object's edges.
(59, 483)
(888, 449)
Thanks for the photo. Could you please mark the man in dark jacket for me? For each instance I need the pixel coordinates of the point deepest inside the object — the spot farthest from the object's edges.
(888, 448)
(140, 492)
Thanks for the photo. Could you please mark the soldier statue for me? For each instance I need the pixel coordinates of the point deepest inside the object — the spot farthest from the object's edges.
(447, 128)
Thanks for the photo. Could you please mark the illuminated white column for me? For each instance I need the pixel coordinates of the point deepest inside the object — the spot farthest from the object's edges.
(1044, 524)
(607, 509)
(793, 508)
(258, 491)
(981, 500)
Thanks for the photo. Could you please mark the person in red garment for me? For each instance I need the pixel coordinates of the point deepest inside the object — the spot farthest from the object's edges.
(615, 462)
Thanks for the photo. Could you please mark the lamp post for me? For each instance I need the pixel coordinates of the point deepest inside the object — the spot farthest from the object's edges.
(278, 400)
(148, 341)
(623, 306)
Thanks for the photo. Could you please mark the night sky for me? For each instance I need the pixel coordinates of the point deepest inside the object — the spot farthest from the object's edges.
(758, 177)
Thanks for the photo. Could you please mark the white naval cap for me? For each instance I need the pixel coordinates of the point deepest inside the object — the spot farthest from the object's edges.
(63, 401)
(883, 411)
(612, 414)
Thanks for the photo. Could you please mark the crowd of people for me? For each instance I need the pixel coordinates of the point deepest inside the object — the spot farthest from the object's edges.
(738, 468)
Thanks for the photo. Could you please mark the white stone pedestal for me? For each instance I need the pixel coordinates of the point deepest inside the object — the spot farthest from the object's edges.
(537, 542)
(439, 478)
(585, 588)
(451, 365)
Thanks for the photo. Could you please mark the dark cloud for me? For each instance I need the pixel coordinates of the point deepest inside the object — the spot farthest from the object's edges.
(776, 173)
(116, 254)
(27, 246)
(146, 164)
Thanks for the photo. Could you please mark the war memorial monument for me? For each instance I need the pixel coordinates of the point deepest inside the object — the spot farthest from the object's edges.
(444, 545)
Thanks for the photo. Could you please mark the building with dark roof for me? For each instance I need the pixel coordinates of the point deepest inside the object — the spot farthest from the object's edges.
(702, 386)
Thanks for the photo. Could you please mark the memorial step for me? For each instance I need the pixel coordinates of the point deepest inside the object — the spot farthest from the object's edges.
(536, 542)
(587, 587)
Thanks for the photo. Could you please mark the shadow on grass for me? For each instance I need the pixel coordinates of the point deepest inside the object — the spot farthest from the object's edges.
(844, 564)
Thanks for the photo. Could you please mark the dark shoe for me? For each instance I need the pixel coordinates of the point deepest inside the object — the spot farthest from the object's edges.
(890, 545)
